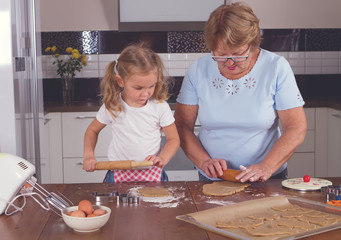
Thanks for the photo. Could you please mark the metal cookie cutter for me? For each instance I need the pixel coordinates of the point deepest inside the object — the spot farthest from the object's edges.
(126, 198)
(332, 192)
(105, 197)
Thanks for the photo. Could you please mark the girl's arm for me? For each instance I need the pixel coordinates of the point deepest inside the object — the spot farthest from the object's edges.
(90, 140)
(170, 148)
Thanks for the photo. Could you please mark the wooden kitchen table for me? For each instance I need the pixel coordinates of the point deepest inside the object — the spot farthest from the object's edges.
(147, 220)
(255, 191)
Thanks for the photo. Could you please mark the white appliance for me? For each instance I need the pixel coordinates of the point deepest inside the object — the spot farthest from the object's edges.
(14, 172)
(21, 98)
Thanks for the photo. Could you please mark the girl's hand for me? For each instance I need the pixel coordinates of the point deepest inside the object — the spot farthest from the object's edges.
(89, 164)
(157, 161)
(257, 172)
(214, 167)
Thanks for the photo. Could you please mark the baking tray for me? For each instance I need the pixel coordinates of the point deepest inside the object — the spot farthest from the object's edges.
(207, 219)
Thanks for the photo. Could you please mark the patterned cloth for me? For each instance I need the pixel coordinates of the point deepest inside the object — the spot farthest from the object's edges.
(152, 174)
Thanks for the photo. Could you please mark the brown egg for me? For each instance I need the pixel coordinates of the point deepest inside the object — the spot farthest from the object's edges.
(85, 206)
(92, 215)
(77, 213)
(99, 212)
(69, 213)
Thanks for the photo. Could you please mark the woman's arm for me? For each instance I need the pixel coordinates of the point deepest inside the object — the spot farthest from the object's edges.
(185, 117)
(294, 125)
(90, 140)
(172, 145)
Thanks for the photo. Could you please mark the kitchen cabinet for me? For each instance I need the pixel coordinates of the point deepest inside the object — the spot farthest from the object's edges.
(334, 143)
(53, 172)
(328, 142)
(319, 155)
(74, 125)
(64, 137)
(303, 160)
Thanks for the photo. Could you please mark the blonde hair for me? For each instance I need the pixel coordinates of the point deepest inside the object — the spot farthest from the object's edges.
(134, 59)
(233, 25)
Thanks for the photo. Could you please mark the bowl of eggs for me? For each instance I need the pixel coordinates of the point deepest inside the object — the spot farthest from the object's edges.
(86, 217)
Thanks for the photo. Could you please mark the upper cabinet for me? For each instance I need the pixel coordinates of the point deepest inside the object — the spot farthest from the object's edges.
(78, 15)
(90, 15)
(165, 15)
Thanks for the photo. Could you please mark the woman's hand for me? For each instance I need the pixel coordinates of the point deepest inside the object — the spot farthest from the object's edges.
(214, 167)
(89, 164)
(257, 172)
(157, 161)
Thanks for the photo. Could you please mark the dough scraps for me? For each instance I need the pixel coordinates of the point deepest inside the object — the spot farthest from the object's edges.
(153, 192)
(223, 188)
(287, 219)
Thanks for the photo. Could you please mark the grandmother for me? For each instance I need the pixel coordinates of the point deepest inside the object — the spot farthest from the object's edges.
(240, 93)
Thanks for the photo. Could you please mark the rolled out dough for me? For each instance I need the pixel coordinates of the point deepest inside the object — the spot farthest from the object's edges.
(223, 188)
(153, 192)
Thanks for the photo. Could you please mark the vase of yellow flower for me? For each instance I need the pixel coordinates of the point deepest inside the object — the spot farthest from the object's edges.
(67, 65)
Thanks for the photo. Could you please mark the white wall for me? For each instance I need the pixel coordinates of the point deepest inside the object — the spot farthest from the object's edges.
(81, 15)
(297, 13)
(7, 117)
(78, 15)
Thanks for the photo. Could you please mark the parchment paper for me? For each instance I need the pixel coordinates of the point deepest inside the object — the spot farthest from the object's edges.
(207, 219)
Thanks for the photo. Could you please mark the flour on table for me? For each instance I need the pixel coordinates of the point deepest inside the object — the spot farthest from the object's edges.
(171, 201)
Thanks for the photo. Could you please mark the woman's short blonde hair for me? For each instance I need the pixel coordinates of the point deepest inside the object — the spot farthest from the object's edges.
(233, 25)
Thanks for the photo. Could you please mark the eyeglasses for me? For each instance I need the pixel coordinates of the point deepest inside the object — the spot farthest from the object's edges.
(234, 59)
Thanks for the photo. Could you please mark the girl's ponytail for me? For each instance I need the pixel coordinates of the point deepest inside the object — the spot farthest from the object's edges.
(111, 90)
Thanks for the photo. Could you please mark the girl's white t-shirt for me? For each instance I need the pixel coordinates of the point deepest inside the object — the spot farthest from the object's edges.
(136, 132)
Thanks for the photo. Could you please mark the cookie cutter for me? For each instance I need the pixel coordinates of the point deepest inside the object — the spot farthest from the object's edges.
(105, 197)
(332, 192)
(128, 199)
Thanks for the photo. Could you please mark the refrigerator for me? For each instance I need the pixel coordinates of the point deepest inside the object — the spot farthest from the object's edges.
(21, 97)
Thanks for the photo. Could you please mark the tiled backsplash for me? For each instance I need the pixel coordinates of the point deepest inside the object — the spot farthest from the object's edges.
(176, 64)
(310, 52)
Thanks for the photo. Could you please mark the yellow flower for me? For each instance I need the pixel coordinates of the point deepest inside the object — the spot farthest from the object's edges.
(47, 49)
(69, 49)
(54, 48)
(57, 55)
(75, 55)
(75, 51)
(83, 58)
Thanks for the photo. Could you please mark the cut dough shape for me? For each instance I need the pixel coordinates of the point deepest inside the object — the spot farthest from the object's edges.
(270, 229)
(286, 219)
(240, 223)
(153, 192)
(223, 188)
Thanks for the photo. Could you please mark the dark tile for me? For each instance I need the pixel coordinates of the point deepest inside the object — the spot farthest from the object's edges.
(85, 41)
(111, 42)
(85, 89)
(322, 85)
(186, 42)
(323, 39)
(174, 88)
(282, 40)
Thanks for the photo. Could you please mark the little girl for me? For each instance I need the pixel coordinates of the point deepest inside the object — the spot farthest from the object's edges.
(134, 96)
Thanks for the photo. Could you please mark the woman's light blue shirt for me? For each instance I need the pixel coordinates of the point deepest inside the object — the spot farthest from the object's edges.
(238, 118)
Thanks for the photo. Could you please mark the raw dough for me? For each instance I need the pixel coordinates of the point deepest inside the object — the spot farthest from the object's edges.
(223, 188)
(286, 219)
(153, 192)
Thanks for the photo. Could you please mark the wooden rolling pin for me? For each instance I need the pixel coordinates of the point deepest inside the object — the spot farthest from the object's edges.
(230, 175)
(126, 164)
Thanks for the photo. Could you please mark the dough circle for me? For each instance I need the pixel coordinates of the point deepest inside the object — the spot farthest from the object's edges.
(223, 188)
(153, 192)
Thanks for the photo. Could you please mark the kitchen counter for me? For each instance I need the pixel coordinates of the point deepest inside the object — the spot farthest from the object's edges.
(148, 220)
(94, 106)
